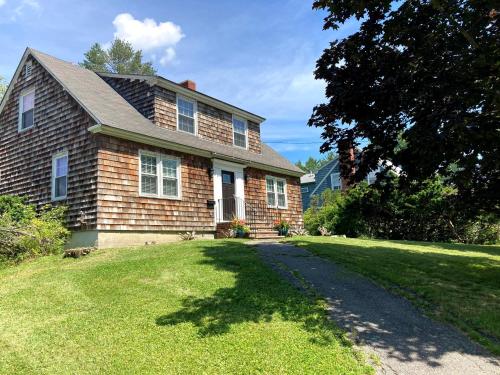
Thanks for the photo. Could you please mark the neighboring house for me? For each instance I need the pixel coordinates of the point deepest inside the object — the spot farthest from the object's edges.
(327, 177)
(137, 158)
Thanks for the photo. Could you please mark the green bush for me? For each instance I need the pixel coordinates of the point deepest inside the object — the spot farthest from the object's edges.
(16, 208)
(426, 212)
(26, 234)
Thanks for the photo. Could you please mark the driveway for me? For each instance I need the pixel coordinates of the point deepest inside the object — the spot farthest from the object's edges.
(404, 339)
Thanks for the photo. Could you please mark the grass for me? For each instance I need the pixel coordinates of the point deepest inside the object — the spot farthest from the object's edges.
(454, 283)
(191, 307)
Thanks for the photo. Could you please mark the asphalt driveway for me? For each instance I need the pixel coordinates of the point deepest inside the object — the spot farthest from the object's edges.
(405, 341)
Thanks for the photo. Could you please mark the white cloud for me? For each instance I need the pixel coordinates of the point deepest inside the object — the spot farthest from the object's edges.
(148, 35)
(2, 2)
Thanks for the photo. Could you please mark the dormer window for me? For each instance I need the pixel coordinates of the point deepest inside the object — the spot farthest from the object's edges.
(27, 70)
(26, 110)
(186, 115)
(239, 132)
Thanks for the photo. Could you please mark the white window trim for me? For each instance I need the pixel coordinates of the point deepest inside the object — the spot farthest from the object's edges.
(20, 115)
(275, 182)
(195, 113)
(53, 177)
(334, 183)
(159, 175)
(246, 130)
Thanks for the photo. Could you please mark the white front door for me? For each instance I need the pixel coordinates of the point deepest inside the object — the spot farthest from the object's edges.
(228, 177)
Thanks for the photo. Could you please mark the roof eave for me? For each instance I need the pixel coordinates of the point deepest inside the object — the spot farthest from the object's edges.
(141, 138)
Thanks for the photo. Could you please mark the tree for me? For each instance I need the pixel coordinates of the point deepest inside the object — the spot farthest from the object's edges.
(312, 164)
(120, 58)
(417, 85)
(3, 87)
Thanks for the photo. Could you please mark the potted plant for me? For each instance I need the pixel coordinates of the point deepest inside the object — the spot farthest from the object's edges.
(239, 228)
(282, 226)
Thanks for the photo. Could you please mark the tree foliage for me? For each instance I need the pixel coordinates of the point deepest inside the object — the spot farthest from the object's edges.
(120, 58)
(312, 165)
(3, 87)
(417, 85)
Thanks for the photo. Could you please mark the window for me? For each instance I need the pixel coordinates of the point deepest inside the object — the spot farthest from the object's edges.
(336, 184)
(304, 189)
(26, 110)
(239, 132)
(276, 192)
(159, 175)
(186, 115)
(60, 176)
(27, 70)
(371, 177)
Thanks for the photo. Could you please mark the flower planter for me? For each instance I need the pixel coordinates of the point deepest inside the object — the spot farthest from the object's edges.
(240, 233)
(283, 231)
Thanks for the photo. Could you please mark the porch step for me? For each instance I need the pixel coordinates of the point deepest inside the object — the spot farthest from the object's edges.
(264, 234)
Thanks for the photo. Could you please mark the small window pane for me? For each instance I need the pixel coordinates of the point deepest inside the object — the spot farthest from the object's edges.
(239, 126)
(186, 108)
(170, 168)
(270, 185)
(149, 184)
(304, 189)
(271, 199)
(186, 124)
(240, 140)
(170, 187)
(27, 119)
(28, 101)
(62, 166)
(60, 186)
(281, 186)
(148, 164)
(281, 200)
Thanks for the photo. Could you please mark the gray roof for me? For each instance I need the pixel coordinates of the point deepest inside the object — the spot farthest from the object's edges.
(110, 109)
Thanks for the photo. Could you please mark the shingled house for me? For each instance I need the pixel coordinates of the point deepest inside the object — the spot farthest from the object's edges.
(138, 158)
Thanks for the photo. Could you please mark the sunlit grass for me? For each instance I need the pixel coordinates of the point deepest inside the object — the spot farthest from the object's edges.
(191, 307)
(459, 284)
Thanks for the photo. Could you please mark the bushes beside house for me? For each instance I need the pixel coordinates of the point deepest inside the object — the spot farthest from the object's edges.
(428, 212)
(26, 233)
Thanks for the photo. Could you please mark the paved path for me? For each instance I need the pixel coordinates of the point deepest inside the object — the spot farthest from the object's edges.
(405, 341)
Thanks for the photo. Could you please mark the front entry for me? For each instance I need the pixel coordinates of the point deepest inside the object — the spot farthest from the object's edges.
(228, 193)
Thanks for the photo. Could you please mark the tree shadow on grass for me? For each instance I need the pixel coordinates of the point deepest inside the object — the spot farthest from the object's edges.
(258, 295)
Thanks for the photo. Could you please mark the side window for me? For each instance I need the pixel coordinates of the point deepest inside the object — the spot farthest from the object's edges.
(149, 174)
(276, 192)
(160, 175)
(336, 184)
(60, 176)
(186, 115)
(26, 110)
(239, 132)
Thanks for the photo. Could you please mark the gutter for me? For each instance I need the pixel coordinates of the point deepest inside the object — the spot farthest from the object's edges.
(145, 139)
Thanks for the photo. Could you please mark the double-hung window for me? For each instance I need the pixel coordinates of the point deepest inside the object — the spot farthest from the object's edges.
(186, 115)
(26, 110)
(159, 175)
(336, 184)
(276, 192)
(60, 176)
(239, 132)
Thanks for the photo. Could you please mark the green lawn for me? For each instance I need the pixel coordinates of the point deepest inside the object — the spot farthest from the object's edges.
(459, 284)
(190, 307)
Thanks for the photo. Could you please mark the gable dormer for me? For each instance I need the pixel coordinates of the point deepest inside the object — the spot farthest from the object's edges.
(181, 108)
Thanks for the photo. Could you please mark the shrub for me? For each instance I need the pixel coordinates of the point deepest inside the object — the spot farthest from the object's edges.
(16, 208)
(32, 234)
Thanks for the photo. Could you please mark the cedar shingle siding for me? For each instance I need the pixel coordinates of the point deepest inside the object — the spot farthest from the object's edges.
(26, 157)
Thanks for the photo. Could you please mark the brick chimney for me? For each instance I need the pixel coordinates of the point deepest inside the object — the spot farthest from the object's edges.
(189, 84)
(347, 163)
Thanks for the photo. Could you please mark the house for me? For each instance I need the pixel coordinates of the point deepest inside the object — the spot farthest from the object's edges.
(327, 177)
(138, 158)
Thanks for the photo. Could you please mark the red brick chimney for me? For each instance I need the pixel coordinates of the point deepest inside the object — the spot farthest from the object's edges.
(347, 163)
(189, 84)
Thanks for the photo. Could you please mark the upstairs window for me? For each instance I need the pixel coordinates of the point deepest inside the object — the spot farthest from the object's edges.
(336, 184)
(159, 175)
(304, 189)
(59, 176)
(26, 110)
(276, 192)
(239, 132)
(186, 115)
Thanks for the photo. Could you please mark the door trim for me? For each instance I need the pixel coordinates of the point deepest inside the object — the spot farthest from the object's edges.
(239, 183)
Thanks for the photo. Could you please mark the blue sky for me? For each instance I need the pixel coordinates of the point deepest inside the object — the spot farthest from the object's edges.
(258, 55)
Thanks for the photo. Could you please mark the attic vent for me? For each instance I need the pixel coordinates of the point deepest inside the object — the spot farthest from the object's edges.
(27, 70)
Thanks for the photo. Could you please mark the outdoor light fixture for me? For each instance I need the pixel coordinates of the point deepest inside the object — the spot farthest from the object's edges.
(210, 172)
